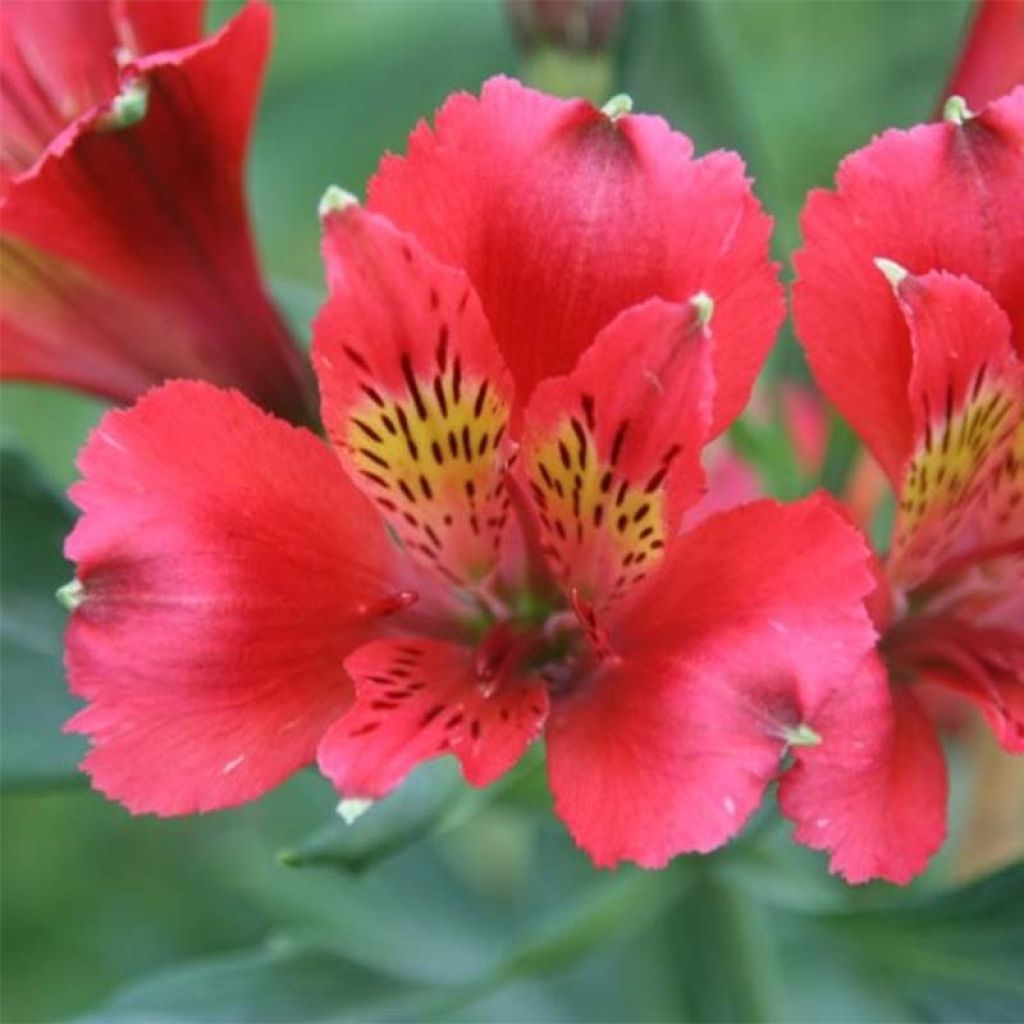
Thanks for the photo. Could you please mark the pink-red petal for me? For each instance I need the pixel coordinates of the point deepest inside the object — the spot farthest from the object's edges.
(417, 699)
(227, 567)
(754, 621)
(149, 26)
(873, 791)
(58, 62)
(564, 217)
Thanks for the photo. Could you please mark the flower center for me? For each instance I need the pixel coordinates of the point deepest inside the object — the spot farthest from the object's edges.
(532, 634)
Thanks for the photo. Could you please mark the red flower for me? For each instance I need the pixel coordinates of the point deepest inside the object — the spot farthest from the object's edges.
(127, 252)
(992, 59)
(518, 376)
(910, 303)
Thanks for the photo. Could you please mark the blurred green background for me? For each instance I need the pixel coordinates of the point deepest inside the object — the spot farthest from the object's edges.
(443, 905)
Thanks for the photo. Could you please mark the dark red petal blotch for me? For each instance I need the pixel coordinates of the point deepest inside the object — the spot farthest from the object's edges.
(417, 699)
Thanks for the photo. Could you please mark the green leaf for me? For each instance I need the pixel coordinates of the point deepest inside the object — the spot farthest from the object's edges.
(725, 954)
(432, 801)
(280, 982)
(843, 448)
(298, 303)
(36, 703)
(415, 811)
(946, 956)
(768, 448)
(611, 910)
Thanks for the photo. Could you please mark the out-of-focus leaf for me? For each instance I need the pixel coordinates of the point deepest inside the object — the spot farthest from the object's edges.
(727, 966)
(298, 303)
(613, 909)
(415, 810)
(281, 982)
(946, 956)
(842, 449)
(349, 81)
(433, 800)
(768, 448)
(48, 424)
(671, 64)
(34, 696)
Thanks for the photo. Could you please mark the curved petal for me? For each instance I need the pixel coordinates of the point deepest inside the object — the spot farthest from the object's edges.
(226, 567)
(417, 699)
(754, 620)
(731, 482)
(981, 661)
(415, 395)
(966, 401)
(940, 196)
(62, 325)
(612, 452)
(148, 26)
(58, 63)
(152, 205)
(564, 217)
(873, 792)
(992, 59)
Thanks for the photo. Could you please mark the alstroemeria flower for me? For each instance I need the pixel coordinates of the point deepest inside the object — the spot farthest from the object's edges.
(910, 304)
(519, 371)
(127, 253)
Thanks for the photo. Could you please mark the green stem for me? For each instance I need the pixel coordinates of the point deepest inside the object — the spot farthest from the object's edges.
(727, 966)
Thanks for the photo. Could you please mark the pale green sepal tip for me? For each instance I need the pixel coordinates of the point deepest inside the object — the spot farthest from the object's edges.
(703, 307)
(894, 273)
(802, 735)
(353, 809)
(71, 595)
(126, 109)
(334, 200)
(956, 110)
(617, 106)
